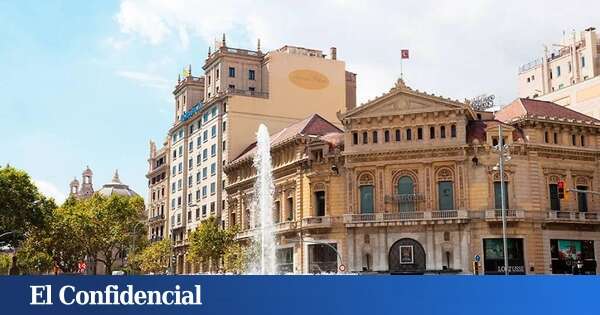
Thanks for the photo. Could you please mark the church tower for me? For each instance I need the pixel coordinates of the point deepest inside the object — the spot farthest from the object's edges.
(74, 187)
(87, 188)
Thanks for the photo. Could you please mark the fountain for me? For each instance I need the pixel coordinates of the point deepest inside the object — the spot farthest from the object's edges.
(265, 264)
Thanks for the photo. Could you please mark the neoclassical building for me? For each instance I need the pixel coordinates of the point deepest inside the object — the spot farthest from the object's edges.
(412, 186)
(423, 188)
(309, 196)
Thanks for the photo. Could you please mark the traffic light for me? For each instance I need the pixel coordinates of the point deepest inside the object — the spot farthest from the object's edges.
(561, 189)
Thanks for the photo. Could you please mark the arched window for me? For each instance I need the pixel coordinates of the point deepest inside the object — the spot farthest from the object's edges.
(365, 183)
(445, 183)
(406, 194)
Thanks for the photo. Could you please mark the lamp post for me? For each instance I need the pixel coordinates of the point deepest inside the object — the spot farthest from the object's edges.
(504, 153)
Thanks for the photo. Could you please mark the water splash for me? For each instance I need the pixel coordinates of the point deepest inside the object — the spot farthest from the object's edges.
(265, 263)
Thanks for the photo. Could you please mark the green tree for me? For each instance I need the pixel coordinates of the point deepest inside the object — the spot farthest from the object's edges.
(209, 243)
(22, 206)
(31, 259)
(4, 263)
(112, 225)
(235, 258)
(155, 258)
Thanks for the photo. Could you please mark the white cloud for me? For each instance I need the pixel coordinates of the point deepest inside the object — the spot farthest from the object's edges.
(50, 190)
(145, 79)
(458, 48)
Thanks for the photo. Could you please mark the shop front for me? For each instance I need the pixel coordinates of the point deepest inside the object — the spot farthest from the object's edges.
(493, 257)
(573, 257)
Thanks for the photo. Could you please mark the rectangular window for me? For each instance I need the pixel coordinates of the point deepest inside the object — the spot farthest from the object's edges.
(204, 191)
(558, 71)
(197, 213)
(212, 188)
(212, 207)
(213, 149)
(191, 146)
(204, 172)
(365, 137)
(224, 126)
(546, 140)
(497, 194)
(213, 111)
(555, 138)
(319, 203)
(190, 163)
(180, 167)
(231, 72)
(251, 75)
(213, 169)
(180, 151)
(224, 145)
(375, 136)
(582, 141)
(204, 154)
(583, 61)
(213, 131)
(173, 187)
(386, 136)
(179, 184)
(251, 89)
(398, 135)
(198, 177)
(409, 134)
(355, 138)
(203, 210)
(174, 169)
(443, 132)
(554, 200)
(198, 159)
(582, 203)
(190, 180)
(432, 132)
(574, 139)
(205, 136)
(419, 133)
(453, 131)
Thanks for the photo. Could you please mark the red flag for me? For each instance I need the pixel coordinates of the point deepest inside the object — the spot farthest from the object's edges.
(404, 53)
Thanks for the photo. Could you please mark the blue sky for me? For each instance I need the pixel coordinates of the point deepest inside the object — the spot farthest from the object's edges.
(89, 82)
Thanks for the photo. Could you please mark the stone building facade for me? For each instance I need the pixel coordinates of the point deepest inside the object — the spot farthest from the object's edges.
(309, 199)
(216, 116)
(416, 188)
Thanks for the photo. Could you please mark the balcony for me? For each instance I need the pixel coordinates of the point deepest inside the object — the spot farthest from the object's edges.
(281, 227)
(320, 222)
(573, 217)
(511, 215)
(286, 226)
(406, 218)
(156, 218)
(180, 243)
(230, 91)
(155, 238)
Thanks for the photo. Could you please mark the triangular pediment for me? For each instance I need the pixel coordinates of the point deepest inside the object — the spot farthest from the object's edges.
(402, 100)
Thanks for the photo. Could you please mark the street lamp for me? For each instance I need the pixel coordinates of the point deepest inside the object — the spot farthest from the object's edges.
(504, 155)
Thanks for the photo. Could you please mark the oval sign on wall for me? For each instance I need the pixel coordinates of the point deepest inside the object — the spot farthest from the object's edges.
(309, 79)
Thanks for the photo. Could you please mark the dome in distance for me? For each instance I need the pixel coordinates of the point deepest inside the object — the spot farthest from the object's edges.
(115, 187)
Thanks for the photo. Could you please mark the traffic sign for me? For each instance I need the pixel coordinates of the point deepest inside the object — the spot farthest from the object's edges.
(342, 268)
(477, 258)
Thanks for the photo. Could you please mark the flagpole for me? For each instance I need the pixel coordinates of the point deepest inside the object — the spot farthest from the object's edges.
(401, 72)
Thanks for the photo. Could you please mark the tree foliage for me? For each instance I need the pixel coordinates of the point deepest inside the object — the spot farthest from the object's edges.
(22, 206)
(209, 243)
(98, 228)
(155, 257)
(235, 258)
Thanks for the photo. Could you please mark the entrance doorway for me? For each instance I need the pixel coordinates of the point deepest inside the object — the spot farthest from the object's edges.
(407, 256)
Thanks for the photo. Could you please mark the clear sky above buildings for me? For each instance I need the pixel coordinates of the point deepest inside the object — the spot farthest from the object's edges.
(89, 82)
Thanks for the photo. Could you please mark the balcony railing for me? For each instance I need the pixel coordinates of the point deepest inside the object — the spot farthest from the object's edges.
(511, 214)
(320, 222)
(156, 218)
(573, 216)
(285, 226)
(241, 92)
(155, 238)
(407, 216)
